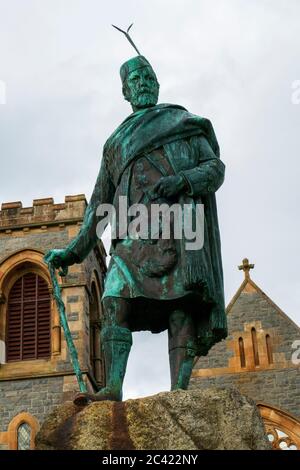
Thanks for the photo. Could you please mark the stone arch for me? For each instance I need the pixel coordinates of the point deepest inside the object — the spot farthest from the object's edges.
(21, 259)
(12, 268)
(269, 348)
(242, 352)
(12, 431)
(95, 322)
(255, 346)
(283, 427)
(95, 279)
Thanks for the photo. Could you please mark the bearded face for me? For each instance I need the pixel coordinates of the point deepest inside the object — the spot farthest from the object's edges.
(141, 88)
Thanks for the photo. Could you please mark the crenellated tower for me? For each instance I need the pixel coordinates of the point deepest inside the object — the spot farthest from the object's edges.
(35, 369)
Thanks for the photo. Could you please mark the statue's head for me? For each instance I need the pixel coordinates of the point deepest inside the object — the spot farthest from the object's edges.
(140, 85)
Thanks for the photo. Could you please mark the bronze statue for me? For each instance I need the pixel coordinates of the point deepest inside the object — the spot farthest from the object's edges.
(160, 154)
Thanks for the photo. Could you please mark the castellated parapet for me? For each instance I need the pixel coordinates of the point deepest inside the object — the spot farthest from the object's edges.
(43, 211)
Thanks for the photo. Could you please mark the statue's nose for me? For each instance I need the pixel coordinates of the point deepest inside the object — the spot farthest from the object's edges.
(144, 83)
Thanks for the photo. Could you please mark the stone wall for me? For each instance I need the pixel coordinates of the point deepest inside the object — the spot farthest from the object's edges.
(39, 241)
(277, 387)
(35, 396)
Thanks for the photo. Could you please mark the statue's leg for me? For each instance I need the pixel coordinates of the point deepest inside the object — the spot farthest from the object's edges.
(182, 348)
(116, 341)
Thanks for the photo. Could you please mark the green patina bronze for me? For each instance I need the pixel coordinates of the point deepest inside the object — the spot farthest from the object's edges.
(66, 329)
(160, 154)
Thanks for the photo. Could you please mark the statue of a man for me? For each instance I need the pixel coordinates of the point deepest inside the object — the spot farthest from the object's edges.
(160, 154)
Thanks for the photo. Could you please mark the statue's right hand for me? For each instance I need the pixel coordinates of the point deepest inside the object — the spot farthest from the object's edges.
(60, 259)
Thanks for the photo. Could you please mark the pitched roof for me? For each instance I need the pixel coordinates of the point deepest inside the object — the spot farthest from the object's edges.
(248, 286)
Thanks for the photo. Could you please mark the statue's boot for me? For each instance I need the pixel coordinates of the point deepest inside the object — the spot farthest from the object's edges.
(182, 352)
(116, 343)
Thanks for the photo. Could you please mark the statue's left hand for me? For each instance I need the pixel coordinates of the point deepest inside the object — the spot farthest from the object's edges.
(168, 186)
(61, 259)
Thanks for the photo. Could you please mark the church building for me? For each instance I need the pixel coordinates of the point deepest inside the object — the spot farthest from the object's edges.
(36, 374)
(261, 358)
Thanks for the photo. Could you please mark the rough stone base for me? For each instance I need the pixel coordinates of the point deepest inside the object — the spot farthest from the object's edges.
(181, 420)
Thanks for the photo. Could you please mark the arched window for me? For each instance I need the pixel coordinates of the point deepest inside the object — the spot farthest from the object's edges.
(282, 428)
(24, 437)
(21, 432)
(28, 319)
(269, 349)
(95, 342)
(242, 352)
(255, 346)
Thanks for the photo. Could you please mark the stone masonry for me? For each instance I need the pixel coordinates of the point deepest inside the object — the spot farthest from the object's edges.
(36, 387)
(276, 383)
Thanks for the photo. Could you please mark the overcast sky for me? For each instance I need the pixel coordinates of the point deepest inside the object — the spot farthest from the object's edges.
(232, 61)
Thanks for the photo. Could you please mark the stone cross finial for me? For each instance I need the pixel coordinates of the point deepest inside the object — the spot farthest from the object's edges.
(246, 267)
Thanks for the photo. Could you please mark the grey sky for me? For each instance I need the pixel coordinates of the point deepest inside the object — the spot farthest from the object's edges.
(233, 61)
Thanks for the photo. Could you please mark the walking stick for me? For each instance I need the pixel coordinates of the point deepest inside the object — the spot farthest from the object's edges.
(64, 323)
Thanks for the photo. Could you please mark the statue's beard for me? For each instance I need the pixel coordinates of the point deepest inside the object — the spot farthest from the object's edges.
(144, 99)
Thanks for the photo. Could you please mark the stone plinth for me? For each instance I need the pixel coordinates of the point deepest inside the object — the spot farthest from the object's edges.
(181, 420)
